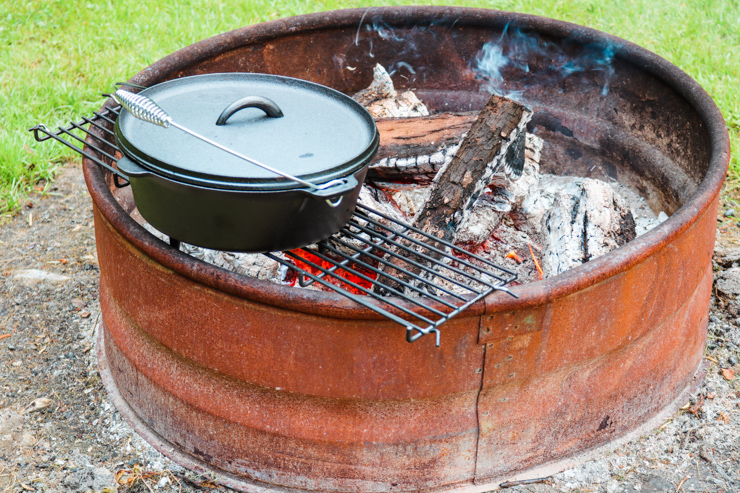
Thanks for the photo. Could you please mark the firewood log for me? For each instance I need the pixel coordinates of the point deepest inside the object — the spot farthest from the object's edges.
(414, 149)
(457, 186)
(586, 220)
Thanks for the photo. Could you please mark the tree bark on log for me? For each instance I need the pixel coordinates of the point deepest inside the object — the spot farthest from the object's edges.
(457, 186)
(483, 151)
(417, 136)
(414, 149)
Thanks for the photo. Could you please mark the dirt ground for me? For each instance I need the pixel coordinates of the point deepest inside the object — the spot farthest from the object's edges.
(59, 431)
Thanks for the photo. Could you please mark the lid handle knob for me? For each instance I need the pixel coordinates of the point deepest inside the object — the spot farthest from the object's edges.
(265, 104)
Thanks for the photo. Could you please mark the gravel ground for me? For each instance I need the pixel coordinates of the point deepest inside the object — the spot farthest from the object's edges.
(59, 431)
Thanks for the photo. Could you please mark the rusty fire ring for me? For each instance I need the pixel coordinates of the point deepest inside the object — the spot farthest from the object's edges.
(510, 363)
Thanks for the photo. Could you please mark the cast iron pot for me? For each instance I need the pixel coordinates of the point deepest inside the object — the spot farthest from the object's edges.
(200, 194)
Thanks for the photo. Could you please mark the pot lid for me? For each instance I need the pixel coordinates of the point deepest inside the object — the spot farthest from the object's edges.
(301, 128)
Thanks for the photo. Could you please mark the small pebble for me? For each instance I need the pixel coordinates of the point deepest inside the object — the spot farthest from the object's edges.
(730, 213)
(38, 404)
(732, 360)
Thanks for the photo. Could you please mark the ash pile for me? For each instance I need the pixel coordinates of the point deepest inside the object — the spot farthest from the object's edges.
(474, 179)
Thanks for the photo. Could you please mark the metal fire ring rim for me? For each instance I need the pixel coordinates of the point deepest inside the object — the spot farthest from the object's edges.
(531, 294)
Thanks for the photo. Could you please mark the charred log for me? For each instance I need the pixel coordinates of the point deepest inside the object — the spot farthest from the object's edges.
(413, 150)
(586, 220)
(481, 154)
(457, 186)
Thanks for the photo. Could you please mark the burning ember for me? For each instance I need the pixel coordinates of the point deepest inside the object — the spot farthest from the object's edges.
(314, 264)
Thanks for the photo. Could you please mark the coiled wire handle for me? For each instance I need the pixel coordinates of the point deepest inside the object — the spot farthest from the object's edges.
(143, 108)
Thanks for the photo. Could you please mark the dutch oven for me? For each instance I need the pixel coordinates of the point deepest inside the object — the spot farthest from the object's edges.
(292, 158)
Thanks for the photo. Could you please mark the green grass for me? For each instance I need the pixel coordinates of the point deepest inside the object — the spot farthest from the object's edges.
(57, 56)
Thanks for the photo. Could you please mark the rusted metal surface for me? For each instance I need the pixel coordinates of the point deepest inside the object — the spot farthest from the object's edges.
(596, 363)
(289, 388)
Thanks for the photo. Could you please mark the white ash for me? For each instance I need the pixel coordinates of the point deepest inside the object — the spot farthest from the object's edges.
(534, 200)
(405, 104)
(382, 202)
(425, 164)
(487, 213)
(645, 218)
(248, 264)
(410, 200)
(533, 147)
(382, 101)
(586, 220)
(253, 265)
(526, 189)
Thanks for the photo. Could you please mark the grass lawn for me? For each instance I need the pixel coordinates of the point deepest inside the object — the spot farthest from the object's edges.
(58, 55)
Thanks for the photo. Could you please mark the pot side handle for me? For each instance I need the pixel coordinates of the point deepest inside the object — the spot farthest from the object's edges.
(130, 168)
(333, 191)
(267, 105)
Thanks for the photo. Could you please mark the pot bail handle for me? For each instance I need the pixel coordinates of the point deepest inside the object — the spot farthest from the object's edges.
(267, 105)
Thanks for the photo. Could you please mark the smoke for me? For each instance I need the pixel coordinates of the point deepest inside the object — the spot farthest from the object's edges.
(506, 62)
(405, 45)
(384, 31)
(406, 42)
(489, 64)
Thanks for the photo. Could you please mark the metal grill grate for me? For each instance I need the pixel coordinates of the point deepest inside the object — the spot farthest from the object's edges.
(106, 151)
(390, 267)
